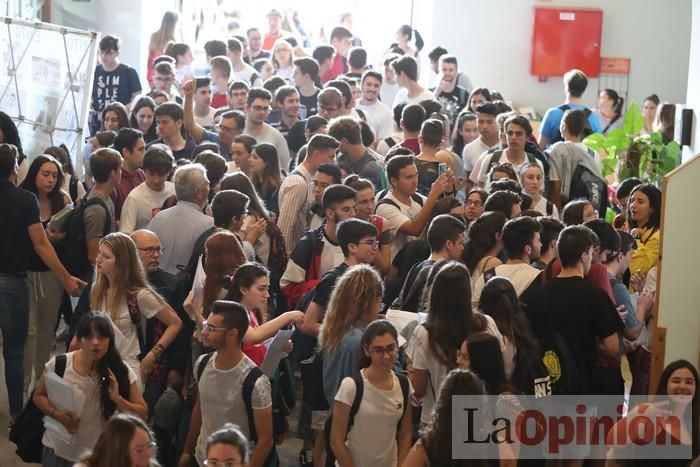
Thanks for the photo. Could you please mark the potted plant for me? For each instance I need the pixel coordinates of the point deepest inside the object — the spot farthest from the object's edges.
(630, 154)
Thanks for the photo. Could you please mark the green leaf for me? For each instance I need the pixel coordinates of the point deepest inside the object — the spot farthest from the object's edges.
(610, 215)
(656, 138)
(616, 141)
(633, 123)
(673, 151)
(595, 141)
(607, 166)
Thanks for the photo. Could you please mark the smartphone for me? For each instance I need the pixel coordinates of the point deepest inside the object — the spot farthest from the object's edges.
(443, 168)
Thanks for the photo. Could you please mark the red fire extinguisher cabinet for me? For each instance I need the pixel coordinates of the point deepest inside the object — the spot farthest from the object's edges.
(566, 38)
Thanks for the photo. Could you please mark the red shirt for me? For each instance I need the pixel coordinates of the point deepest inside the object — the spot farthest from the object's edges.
(339, 67)
(219, 100)
(255, 352)
(412, 144)
(121, 191)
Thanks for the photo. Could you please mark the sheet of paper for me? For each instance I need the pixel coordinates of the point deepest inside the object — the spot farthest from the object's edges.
(400, 319)
(65, 397)
(275, 353)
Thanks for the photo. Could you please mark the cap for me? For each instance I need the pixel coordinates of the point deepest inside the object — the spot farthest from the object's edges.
(274, 12)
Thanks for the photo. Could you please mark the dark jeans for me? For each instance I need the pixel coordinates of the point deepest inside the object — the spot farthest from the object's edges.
(14, 322)
(50, 459)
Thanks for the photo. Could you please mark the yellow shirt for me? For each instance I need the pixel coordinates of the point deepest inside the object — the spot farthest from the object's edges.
(646, 256)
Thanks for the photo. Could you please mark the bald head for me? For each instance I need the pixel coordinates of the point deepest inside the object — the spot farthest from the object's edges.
(148, 245)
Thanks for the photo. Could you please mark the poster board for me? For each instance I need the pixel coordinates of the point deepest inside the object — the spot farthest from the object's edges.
(46, 82)
(677, 291)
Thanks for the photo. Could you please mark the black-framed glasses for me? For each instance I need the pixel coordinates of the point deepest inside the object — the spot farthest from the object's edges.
(370, 243)
(389, 350)
(152, 251)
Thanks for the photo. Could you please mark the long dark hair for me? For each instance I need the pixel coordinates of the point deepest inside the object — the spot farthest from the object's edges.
(692, 413)
(481, 237)
(11, 135)
(486, 360)
(56, 196)
(99, 323)
(141, 102)
(457, 140)
(244, 277)
(376, 328)
(437, 436)
(572, 214)
(450, 315)
(618, 101)
(119, 109)
(500, 301)
(270, 178)
(654, 195)
(240, 182)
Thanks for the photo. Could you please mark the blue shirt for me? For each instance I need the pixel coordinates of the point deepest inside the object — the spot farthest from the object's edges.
(341, 362)
(214, 138)
(622, 297)
(118, 85)
(552, 119)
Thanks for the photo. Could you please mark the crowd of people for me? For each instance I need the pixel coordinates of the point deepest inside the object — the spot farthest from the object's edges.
(294, 189)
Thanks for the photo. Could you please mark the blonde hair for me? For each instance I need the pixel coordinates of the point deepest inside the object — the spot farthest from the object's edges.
(166, 32)
(354, 297)
(281, 43)
(129, 277)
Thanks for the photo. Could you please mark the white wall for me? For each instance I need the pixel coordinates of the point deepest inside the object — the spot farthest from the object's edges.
(493, 40)
(693, 96)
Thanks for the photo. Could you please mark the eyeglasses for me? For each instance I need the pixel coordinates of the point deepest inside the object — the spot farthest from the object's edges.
(209, 328)
(260, 108)
(388, 350)
(152, 251)
(328, 109)
(318, 184)
(165, 79)
(370, 243)
(225, 129)
(150, 447)
(471, 202)
(209, 463)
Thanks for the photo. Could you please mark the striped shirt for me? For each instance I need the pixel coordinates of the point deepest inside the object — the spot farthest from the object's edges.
(294, 201)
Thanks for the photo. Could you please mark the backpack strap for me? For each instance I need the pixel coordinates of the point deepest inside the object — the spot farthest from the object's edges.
(60, 365)
(564, 107)
(489, 274)
(607, 127)
(203, 365)
(495, 157)
(390, 141)
(359, 392)
(247, 392)
(549, 208)
(73, 189)
(405, 385)
(108, 217)
(132, 303)
(417, 198)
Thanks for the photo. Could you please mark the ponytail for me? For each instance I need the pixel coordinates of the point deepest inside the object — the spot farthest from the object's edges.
(418, 41)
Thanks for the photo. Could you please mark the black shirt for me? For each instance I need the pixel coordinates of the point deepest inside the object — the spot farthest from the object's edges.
(409, 298)
(327, 284)
(20, 209)
(453, 102)
(310, 102)
(184, 153)
(582, 314)
(296, 137)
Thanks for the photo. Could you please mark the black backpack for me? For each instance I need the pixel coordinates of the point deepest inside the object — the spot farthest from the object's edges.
(587, 129)
(72, 251)
(28, 429)
(586, 184)
(355, 407)
(496, 156)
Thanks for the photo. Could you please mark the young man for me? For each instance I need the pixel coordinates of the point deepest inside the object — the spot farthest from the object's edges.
(325, 176)
(164, 79)
(566, 156)
(231, 124)
(220, 74)
(323, 54)
(306, 72)
(318, 251)
(255, 45)
(406, 69)
(130, 144)
(169, 119)
(341, 41)
(240, 70)
(406, 211)
(145, 201)
(379, 116)
(488, 140)
(238, 95)
(551, 228)
(412, 118)
(274, 31)
(347, 107)
(357, 62)
(522, 244)
(203, 111)
(575, 83)
(446, 241)
(21, 232)
(113, 82)
(179, 227)
(434, 57)
(214, 48)
(221, 378)
(504, 201)
(451, 95)
(389, 86)
(257, 109)
(358, 158)
(582, 314)
(330, 103)
(287, 99)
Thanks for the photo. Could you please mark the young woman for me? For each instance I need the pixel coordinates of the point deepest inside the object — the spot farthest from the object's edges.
(644, 218)
(409, 40)
(433, 345)
(477, 97)
(484, 243)
(500, 172)
(242, 150)
(532, 181)
(434, 445)
(282, 60)
(522, 354)
(250, 287)
(381, 419)
(182, 54)
(264, 67)
(44, 179)
(125, 442)
(665, 121)
(577, 212)
(610, 108)
(677, 395)
(474, 204)
(227, 446)
(167, 32)
(109, 385)
(115, 117)
(265, 168)
(651, 103)
(121, 289)
(465, 131)
(354, 303)
(143, 119)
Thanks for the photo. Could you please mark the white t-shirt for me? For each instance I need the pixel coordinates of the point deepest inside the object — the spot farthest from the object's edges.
(418, 350)
(396, 217)
(141, 205)
(472, 151)
(383, 148)
(372, 439)
(208, 120)
(221, 398)
(249, 75)
(379, 118)
(262, 245)
(520, 275)
(91, 421)
(125, 336)
(483, 170)
(387, 93)
(269, 135)
(541, 206)
(402, 96)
